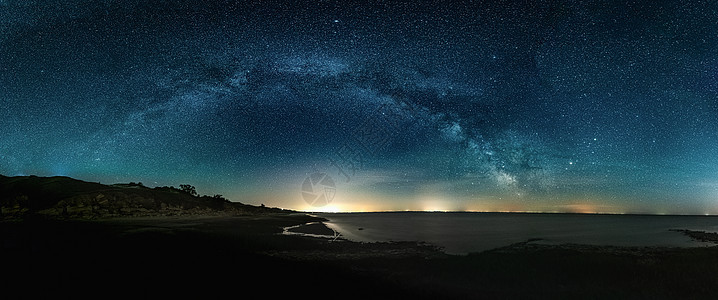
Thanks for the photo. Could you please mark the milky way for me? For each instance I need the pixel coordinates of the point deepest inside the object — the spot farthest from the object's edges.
(598, 106)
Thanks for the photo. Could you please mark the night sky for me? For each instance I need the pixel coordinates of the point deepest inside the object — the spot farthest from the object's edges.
(552, 106)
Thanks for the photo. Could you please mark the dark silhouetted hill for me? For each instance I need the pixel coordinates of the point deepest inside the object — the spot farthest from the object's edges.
(66, 197)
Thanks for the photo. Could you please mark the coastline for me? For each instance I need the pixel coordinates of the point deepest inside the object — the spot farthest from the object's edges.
(311, 229)
(464, 233)
(198, 253)
(320, 229)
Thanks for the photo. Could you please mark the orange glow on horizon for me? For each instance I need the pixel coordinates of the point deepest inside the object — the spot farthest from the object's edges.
(357, 201)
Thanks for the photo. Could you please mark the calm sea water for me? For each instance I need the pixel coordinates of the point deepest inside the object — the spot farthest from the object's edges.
(460, 233)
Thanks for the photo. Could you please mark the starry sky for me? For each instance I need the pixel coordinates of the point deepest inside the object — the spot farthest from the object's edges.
(552, 106)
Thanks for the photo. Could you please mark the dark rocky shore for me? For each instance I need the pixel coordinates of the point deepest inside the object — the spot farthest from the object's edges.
(701, 236)
(238, 250)
(215, 255)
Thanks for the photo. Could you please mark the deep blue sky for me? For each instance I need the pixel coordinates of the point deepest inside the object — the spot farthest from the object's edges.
(580, 106)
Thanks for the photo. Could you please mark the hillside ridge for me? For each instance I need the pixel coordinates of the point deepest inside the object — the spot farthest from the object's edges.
(65, 197)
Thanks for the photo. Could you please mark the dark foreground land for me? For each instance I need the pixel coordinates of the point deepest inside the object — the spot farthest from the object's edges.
(247, 257)
(65, 238)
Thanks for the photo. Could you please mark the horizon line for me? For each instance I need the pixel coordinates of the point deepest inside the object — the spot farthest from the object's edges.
(405, 211)
(508, 212)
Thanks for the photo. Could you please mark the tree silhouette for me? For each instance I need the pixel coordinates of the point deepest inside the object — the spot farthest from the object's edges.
(189, 189)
